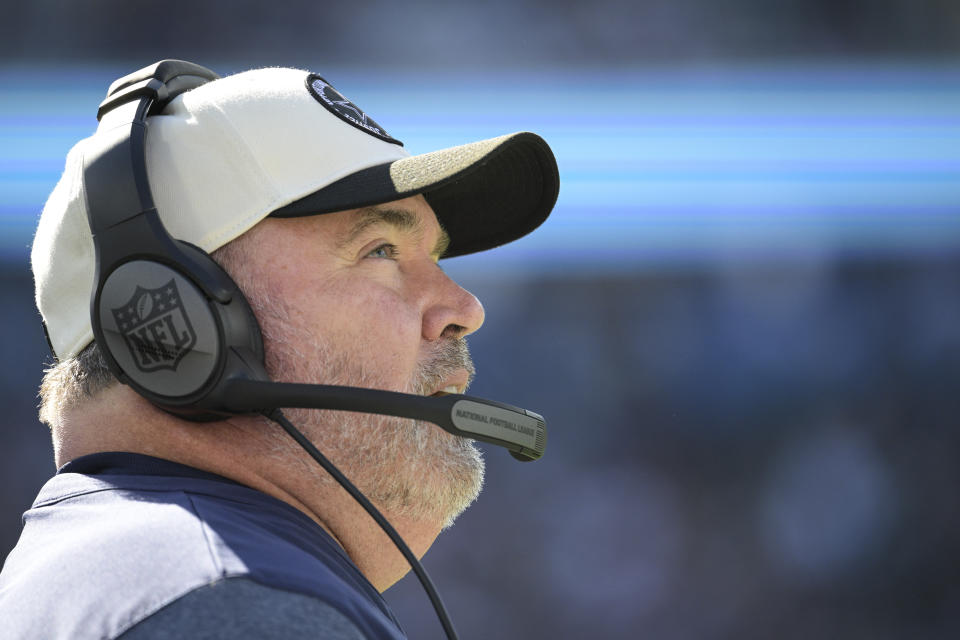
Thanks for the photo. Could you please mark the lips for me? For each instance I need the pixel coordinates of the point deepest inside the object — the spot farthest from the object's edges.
(448, 390)
(455, 382)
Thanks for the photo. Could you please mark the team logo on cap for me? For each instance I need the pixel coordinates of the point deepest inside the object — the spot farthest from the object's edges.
(155, 327)
(339, 106)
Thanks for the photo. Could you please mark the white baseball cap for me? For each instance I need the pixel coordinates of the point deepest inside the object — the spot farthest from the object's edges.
(283, 142)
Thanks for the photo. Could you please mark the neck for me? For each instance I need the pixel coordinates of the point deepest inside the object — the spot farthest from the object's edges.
(253, 452)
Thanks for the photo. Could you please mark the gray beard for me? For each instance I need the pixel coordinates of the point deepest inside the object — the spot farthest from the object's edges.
(408, 468)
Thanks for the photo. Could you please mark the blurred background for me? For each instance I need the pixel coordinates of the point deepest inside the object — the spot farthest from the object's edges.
(742, 320)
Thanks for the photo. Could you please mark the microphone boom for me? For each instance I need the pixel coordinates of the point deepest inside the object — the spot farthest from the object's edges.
(522, 432)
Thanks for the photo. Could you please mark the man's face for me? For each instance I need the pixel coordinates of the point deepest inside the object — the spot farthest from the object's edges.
(357, 298)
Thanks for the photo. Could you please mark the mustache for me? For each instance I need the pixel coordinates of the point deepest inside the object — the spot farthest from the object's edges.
(446, 358)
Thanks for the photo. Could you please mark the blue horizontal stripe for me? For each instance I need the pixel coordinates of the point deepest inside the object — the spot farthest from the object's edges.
(667, 165)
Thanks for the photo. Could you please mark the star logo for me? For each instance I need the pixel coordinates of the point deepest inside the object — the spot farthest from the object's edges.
(344, 109)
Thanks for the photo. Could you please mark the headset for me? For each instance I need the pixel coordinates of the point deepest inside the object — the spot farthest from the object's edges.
(196, 349)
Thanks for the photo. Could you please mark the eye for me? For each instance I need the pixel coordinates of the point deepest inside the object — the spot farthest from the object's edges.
(386, 251)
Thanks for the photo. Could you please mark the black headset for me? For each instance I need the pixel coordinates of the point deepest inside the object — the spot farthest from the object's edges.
(177, 329)
(181, 357)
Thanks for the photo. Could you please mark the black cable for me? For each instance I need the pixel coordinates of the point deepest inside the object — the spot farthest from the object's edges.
(277, 416)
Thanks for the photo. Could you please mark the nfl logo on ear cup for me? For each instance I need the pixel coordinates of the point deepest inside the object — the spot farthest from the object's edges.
(159, 329)
(156, 327)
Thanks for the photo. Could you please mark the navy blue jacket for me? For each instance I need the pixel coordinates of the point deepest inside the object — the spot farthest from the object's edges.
(119, 543)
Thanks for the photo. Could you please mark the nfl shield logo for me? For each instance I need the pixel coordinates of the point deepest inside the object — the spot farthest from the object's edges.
(155, 327)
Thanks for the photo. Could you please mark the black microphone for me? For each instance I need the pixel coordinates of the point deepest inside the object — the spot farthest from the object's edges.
(523, 432)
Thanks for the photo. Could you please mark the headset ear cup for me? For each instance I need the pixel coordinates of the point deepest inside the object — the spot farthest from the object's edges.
(158, 328)
(175, 344)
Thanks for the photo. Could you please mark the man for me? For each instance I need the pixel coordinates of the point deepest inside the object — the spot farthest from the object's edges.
(160, 527)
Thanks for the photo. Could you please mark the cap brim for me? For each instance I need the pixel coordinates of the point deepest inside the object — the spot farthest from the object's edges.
(485, 193)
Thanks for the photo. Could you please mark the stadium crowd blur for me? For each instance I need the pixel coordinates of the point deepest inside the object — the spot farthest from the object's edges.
(760, 448)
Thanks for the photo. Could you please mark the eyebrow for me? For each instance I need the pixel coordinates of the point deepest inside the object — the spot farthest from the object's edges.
(401, 219)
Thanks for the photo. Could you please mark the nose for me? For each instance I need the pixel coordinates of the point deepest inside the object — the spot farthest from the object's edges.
(451, 310)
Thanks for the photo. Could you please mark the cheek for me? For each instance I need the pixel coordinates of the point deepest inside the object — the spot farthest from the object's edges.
(372, 324)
